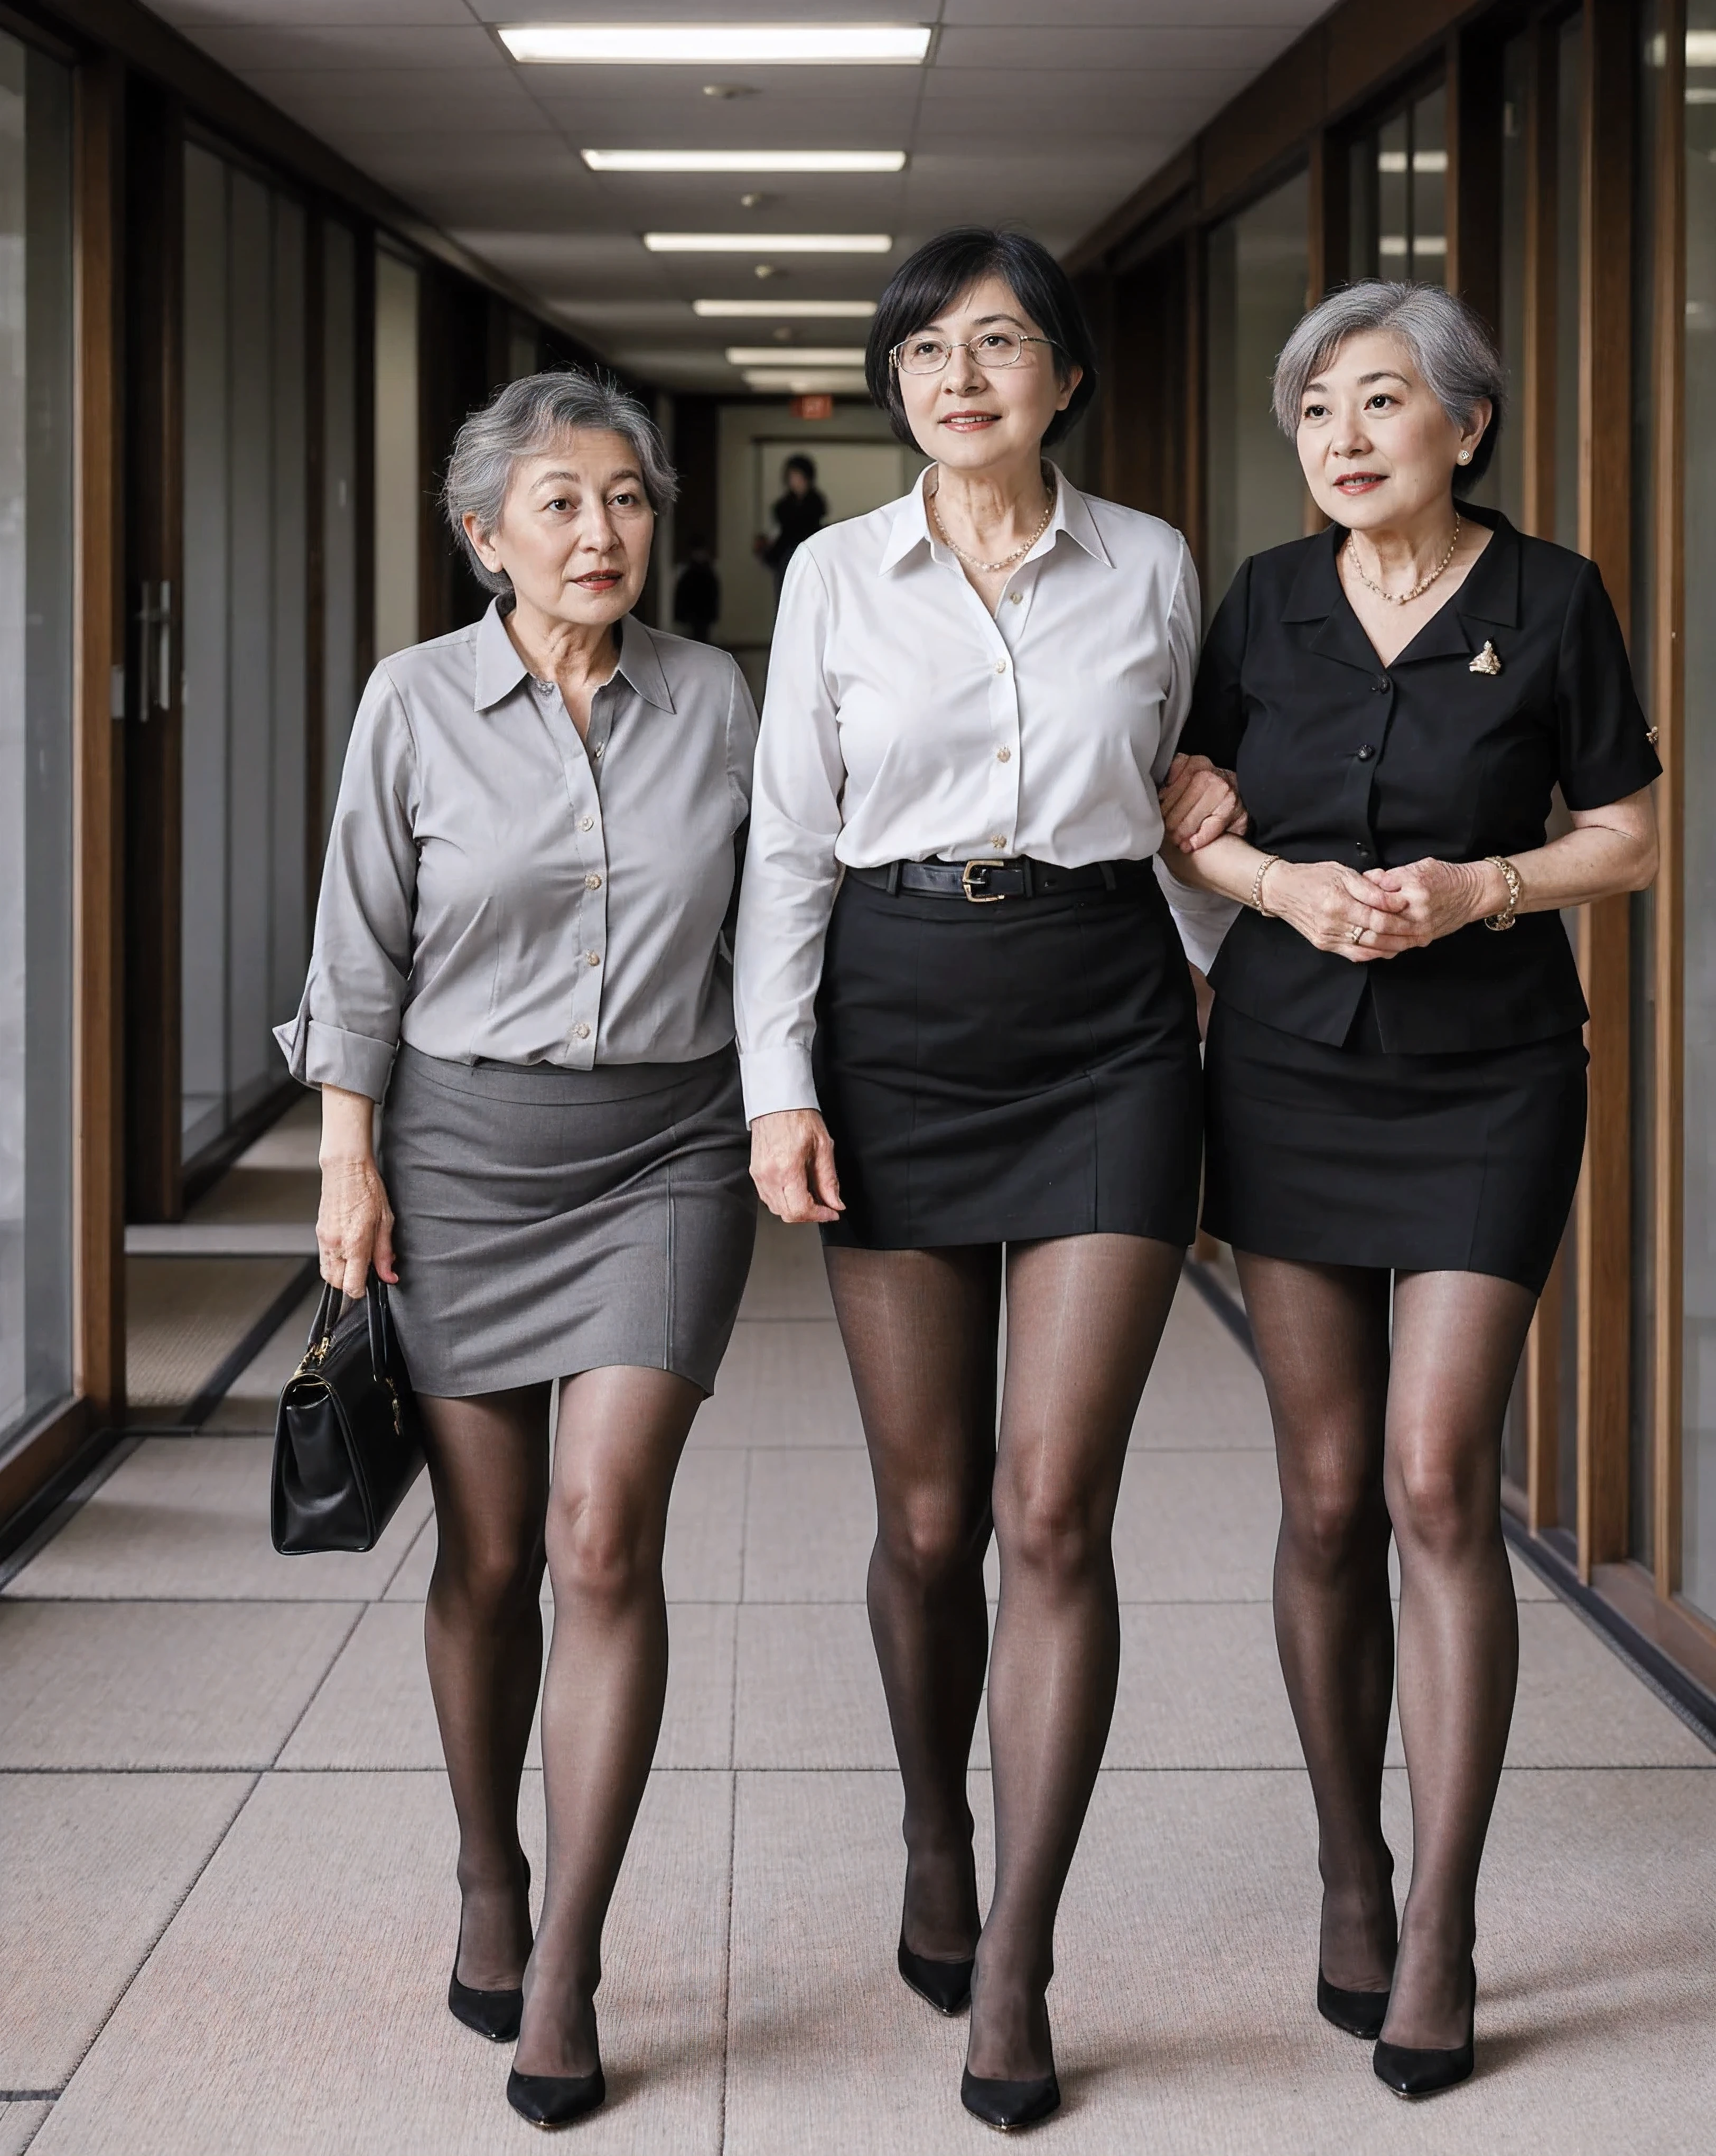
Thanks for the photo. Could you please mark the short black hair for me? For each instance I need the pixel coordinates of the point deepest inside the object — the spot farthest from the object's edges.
(951, 263)
(801, 464)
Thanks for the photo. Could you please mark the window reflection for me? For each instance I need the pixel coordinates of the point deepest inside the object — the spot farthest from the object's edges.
(1258, 262)
(1398, 177)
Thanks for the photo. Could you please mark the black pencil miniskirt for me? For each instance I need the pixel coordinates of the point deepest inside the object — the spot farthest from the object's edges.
(1459, 1163)
(1009, 1072)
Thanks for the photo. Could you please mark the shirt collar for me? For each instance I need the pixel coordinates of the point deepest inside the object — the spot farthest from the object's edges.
(1490, 593)
(911, 526)
(499, 668)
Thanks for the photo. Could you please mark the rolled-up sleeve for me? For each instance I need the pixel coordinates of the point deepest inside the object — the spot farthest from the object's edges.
(346, 1031)
(1202, 917)
(791, 872)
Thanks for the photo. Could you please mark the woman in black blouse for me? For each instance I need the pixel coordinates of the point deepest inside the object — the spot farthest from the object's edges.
(1396, 1076)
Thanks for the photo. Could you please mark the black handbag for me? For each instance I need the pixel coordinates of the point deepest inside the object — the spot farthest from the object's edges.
(348, 1444)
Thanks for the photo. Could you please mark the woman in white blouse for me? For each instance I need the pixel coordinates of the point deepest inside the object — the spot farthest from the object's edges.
(970, 1051)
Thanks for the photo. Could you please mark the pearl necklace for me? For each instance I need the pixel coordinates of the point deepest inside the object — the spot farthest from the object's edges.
(1418, 590)
(1008, 561)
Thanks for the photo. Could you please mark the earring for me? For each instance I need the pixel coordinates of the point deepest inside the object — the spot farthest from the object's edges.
(1465, 456)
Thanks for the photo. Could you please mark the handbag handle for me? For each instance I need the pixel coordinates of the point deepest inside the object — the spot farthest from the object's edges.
(378, 1318)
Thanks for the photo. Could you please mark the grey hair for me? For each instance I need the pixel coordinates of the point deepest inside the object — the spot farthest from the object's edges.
(1450, 347)
(526, 418)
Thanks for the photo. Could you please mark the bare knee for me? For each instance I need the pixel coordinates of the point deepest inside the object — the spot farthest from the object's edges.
(601, 1550)
(1442, 1507)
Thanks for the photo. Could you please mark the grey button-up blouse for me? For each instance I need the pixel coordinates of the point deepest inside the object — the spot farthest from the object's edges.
(496, 889)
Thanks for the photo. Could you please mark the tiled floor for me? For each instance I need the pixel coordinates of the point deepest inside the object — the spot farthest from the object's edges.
(226, 1907)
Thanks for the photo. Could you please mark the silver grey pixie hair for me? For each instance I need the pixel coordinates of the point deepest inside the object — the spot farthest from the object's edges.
(526, 418)
(1450, 347)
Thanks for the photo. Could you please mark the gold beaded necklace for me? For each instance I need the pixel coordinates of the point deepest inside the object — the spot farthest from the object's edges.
(1018, 553)
(1418, 590)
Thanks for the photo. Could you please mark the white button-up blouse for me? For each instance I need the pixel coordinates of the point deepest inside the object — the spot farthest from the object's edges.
(905, 721)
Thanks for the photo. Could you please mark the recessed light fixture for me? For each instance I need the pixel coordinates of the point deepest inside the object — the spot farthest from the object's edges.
(768, 243)
(785, 310)
(744, 161)
(841, 380)
(696, 44)
(802, 355)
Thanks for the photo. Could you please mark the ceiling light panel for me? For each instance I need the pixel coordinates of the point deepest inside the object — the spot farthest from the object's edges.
(810, 381)
(768, 243)
(785, 310)
(800, 356)
(744, 161)
(698, 44)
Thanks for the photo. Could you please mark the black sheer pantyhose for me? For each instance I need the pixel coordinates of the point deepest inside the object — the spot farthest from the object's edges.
(1084, 1315)
(616, 1445)
(487, 1461)
(1373, 1434)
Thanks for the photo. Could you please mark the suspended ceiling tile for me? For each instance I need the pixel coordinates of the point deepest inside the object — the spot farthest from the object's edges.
(337, 45)
(194, 16)
(1129, 14)
(1062, 45)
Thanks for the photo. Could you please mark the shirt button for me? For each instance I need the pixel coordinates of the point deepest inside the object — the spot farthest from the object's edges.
(594, 957)
(1003, 756)
(1000, 845)
(1000, 666)
(596, 750)
(1381, 686)
(581, 1031)
(587, 823)
(1016, 597)
(594, 882)
(1366, 753)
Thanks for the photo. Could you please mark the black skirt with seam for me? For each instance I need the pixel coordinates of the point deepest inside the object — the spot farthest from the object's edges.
(1011, 1072)
(1459, 1163)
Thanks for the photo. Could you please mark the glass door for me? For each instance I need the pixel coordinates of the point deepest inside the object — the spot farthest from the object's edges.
(36, 737)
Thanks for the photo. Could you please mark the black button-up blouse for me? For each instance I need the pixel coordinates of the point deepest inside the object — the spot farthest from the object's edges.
(1341, 758)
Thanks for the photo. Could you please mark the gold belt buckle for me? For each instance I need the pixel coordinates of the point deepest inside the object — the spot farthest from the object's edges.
(976, 896)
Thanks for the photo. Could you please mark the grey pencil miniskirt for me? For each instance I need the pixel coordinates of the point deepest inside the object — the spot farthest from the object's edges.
(550, 1221)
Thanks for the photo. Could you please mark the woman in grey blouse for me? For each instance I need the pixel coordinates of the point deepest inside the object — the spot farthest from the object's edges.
(520, 948)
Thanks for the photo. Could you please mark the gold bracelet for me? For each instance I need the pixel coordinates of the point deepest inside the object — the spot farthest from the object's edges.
(1256, 901)
(1510, 875)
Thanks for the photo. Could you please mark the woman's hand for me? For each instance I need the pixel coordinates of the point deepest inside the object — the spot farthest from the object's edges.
(354, 1223)
(1437, 897)
(1200, 804)
(1337, 910)
(793, 1165)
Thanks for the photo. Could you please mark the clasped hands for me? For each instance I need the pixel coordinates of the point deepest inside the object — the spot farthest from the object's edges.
(1381, 912)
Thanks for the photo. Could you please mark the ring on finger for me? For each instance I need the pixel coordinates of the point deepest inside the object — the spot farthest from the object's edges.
(1356, 933)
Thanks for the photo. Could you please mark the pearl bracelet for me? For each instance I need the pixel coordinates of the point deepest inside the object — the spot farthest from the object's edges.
(1256, 901)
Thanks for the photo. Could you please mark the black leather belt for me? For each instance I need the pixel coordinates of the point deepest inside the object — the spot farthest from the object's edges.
(984, 883)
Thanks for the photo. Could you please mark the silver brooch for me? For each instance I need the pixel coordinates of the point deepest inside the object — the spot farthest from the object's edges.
(1485, 662)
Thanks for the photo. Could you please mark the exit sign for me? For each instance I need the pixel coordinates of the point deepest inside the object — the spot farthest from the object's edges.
(819, 407)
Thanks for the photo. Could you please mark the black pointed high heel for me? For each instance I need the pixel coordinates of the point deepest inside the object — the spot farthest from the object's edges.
(554, 2099)
(1359, 2013)
(1009, 2106)
(945, 1984)
(495, 2014)
(1412, 2073)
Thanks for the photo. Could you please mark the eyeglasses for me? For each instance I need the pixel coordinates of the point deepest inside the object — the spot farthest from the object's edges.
(992, 351)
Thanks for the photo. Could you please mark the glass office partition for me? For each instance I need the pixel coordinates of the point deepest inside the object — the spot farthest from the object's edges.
(36, 736)
(339, 436)
(1697, 1555)
(245, 915)
(399, 487)
(1258, 262)
(1397, 180)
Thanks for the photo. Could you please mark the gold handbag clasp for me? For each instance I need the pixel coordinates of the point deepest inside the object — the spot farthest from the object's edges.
(975, 892)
